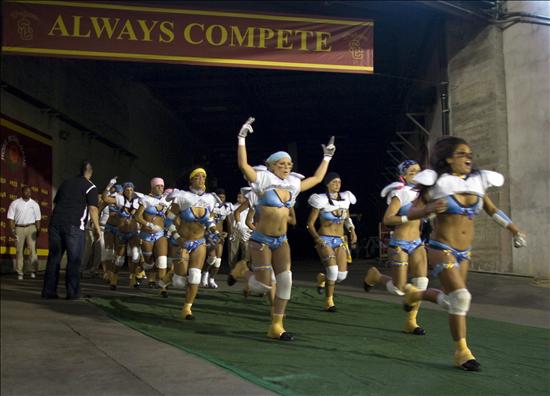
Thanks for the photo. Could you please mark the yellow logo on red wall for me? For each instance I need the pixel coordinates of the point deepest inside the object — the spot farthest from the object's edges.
(12, 153)
(24, 28)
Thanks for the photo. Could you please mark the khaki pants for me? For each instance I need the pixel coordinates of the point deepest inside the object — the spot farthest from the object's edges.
(238, 250)
(26, 235)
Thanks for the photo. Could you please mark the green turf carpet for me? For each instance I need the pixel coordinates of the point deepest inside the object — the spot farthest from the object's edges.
(359, 350)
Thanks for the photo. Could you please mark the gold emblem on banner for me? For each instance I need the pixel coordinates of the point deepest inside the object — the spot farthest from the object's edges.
(357, 52)
(24, 27)
(12, 153)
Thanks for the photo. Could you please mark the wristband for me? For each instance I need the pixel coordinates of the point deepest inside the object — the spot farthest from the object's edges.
(404, 219)
(501, 219)
(241, 141)
(327, 158)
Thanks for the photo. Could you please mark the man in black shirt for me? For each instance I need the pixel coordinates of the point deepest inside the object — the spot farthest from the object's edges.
(76, 199)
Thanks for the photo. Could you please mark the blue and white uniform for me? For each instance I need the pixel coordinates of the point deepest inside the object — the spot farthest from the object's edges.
(186, 201)
(334, 210)
(265, 188)
(406, 194)
(112, 210)
(446, 186)
(154, 206)
(126, 209)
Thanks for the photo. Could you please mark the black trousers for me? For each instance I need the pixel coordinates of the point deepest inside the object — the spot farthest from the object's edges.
(61, 239)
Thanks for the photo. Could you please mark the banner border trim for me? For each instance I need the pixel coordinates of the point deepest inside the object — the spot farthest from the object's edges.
(124, 55)
(195, 12)
(24, 131)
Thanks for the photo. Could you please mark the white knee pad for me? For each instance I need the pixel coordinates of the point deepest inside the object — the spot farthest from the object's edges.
(218, 262)
(148, 267)
(393, 289)
(257, 286)
(107, 254)
(210, 260)
(331, 272)
(162, 262)
(342, 275)
(284, 285)
(178, 281)
(119, 261)
(459, 302)
(273, 279)
(134, 253)
(421, 283)
(443, 301)
(194, 276)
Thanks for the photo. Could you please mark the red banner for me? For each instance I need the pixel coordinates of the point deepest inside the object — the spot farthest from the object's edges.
(146, 33)
(25, 159)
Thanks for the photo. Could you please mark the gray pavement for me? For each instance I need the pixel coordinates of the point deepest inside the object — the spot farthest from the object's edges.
(58, 347)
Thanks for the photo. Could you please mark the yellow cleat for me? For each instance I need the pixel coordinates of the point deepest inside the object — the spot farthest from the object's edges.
(320, 282)
(465, 360)
(411, 297)
(277, 331)
(237, 272)
(186, 312)
(329, 305)
(371, 278)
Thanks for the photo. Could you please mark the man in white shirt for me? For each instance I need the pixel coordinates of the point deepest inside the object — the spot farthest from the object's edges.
(24, 222)
(241, 233)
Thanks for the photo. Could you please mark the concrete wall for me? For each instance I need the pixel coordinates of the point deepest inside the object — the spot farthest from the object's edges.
(498, 86)
(526, 49)
(90, 93)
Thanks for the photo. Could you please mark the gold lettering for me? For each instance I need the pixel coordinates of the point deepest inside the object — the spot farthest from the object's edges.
(146, 29)
(265, 34)
(187, 33)
(105, 26)
(127, 30)
(210, 35)
(236, 33)
(321, 42)
(282, 39)
(59, 25)
(167, 28)
(76, 28)
(303, 39)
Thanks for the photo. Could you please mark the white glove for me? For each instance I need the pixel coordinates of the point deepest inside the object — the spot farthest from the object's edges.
(112, 182)
(330, 148)
(154, 228)
(520, 240)
(246, 128)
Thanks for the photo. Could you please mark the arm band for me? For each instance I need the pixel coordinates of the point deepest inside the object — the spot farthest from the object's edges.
(404, 219)
(349, 224)
(176, 236)
(501, 219)
(242, 141)
(171, 228)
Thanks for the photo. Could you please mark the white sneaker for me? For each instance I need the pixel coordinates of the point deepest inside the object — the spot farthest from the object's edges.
(204, 279)
(19, 276)
(33, 275)
(212, 283)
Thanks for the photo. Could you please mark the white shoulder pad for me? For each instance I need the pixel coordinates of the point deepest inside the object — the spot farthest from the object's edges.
(390, 187)
(349, 196)
(260, 168)
(245, 190)
(119, 200)
(298, 175)
(139, 195)
(318, 201)
(491, 178)
(427, 177)
(252, 198)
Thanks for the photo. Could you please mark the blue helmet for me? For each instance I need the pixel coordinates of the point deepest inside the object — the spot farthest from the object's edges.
(403, 166)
